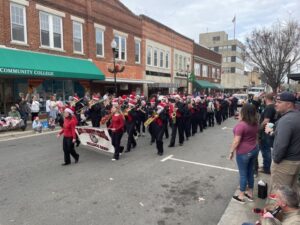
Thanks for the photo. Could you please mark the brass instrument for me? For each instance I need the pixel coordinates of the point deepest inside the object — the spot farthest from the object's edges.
(174, 115)
(151, 119)
(106, 118)
(126, 111)
(93, 102)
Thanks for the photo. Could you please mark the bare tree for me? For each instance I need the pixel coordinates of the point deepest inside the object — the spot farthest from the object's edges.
(274, 50)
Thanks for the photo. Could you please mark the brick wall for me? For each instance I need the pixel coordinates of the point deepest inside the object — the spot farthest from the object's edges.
(111, 14)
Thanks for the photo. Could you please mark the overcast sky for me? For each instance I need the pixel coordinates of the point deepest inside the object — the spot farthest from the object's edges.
(191, 17)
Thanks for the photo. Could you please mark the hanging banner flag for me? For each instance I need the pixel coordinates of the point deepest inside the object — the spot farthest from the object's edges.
(96, 138)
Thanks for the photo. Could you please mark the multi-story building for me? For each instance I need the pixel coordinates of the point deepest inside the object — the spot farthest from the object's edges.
(254, 77)
(232, 75)
(64, 47)
(207, 69)
(168, 57)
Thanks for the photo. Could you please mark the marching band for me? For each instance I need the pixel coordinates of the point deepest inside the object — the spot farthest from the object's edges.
(133, 114)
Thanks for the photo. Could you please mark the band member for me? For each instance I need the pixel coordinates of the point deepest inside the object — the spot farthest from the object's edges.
(200, 113)
(193, 117)
(142, 115)
(68, 131)
(178, 111)
(211, 112)
(150, 112)
(117, 129)
(95, 111)
(218, 112)
(187, 119)
(130, 116)
(159, 127)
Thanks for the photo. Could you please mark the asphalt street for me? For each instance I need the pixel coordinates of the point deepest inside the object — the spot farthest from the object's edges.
(191, 187)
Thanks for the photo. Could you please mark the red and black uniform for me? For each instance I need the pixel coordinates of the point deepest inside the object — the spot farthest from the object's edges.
(193, 111)
(68, 130)
(159, 126)
(117, 123)
(178, 125)
(130, 128)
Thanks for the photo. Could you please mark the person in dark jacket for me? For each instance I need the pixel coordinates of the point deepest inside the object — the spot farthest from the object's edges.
(286, 149)
(95, 112)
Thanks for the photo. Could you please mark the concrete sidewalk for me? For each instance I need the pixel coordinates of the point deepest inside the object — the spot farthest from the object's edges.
(237, 214)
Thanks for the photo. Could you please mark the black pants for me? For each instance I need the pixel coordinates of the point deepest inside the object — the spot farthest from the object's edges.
(159, 133)
(151, 131)
(166, 128)
(211, 119)
(68, 147)
(194, 124)
(187, 127)
(218, 117)
(116, 141)
(180, 126)
(130, 128)
(96, 122)
(204, 120)
(200, 122)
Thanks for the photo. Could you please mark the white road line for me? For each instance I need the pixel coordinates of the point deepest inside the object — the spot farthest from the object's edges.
(224, 128)
(170, 157)
(28, 136)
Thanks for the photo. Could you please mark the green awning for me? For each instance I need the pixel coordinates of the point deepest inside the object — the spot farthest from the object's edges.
(42, 65)
(218, 86)
(205, 84)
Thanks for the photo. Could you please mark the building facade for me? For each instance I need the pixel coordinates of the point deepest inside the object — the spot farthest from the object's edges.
(76, 31)
(207, 67)
(232, 74)
(168, 55)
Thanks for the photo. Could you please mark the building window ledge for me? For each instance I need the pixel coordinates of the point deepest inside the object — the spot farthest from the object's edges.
(100, 56)
(78, 53)
(19, 43)
(52, 49)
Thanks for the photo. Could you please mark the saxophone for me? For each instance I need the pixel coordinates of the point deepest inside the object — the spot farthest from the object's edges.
(151, 119)
(174, 116)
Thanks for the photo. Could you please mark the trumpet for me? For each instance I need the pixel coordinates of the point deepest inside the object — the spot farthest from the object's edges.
(93, 102)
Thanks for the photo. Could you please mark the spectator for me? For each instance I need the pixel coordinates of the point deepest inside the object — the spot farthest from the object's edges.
(37, 125)
(51, 123)
(245, 146)
(35, 108)
(53, 107)
(23, 108)
(266, 141)
(288, 201)
(14, 113)
(286, 151)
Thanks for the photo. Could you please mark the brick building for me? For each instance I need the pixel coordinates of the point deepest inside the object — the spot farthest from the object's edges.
(167, 56)
(207, 68)
(73, 37)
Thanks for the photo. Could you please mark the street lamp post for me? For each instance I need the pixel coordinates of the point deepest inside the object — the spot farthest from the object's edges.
(114, 49)
(187, 79)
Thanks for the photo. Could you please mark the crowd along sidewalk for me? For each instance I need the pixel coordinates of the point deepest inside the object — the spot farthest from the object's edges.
(237, 214)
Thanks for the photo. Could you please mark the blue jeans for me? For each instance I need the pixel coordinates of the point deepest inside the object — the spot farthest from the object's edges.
(265, 147)
(245, 164)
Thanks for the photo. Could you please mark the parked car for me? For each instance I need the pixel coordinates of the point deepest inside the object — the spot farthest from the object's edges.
(242, 99)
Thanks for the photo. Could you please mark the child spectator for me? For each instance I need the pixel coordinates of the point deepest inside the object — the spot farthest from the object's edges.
(37, 125)
(51, 123)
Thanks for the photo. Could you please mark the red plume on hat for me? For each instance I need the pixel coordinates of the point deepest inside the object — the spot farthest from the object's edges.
(161, 105)
(152, 100)
(132, 103)
(76, 98)
(124, 97)
(95, 98)
(115, 101)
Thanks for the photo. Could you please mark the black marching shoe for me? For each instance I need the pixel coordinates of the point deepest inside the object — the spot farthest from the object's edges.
(170, 146)
(76, 160)
(160, 153)
(127, 150)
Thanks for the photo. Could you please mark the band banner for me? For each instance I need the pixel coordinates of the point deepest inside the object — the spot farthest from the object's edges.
(96, 138)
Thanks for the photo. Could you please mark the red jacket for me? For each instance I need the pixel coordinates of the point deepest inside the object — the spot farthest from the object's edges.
(69, 128)
(117, 122)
